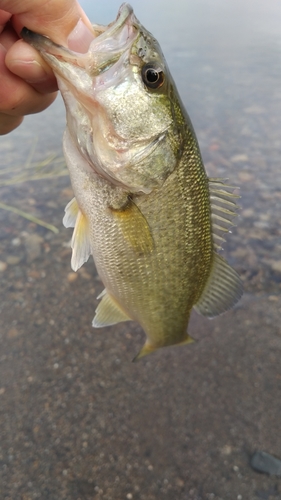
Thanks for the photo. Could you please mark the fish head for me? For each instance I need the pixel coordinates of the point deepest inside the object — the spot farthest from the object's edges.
(121, 103)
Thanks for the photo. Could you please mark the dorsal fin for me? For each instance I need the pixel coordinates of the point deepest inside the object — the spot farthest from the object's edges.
(223, 289)
(223, 208)
(71, 212)
(108, 312)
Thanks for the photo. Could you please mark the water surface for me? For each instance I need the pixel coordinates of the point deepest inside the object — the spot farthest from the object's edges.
(78, 419)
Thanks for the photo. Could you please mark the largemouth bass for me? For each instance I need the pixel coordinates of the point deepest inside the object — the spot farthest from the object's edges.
(143, 207)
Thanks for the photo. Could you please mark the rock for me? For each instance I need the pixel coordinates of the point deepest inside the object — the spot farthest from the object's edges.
(16, 242)
(276, 265)
(71, 277)
(13, 333)
(239, 158)
(255, 110)
(245, 176)
(266, 463)
(13, 260)
(33, 246)
(3, 266)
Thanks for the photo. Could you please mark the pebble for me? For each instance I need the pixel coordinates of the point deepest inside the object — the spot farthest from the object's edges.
(3, 266)
(13, 333)
(179, 482)
(13, 260)
(71, 277)
(273, 298)
(16, 242)
(226, 450)
(248, 212)
(32, 273)
(255, 110)
(33, 246)
(245, 176)
(266, 463)
(239, 158)
(83, 273)
(276, 265)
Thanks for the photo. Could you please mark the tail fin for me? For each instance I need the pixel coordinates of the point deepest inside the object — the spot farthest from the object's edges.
(149, 348)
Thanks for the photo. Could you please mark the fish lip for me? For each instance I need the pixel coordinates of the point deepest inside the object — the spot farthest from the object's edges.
(62, 54)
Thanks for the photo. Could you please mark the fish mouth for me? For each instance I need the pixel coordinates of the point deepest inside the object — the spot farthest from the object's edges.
(108, 45)
(83, 76)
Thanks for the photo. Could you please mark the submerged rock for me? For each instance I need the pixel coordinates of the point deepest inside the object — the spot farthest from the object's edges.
(266, 463)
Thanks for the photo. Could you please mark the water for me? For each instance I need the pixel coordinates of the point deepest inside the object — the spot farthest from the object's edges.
(78, 420)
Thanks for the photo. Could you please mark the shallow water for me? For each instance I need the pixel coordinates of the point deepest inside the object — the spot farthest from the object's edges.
(78, 419)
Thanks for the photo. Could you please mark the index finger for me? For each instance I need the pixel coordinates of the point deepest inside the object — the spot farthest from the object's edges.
(4, 18)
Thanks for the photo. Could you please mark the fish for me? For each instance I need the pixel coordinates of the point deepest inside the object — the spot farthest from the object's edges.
(144, 207)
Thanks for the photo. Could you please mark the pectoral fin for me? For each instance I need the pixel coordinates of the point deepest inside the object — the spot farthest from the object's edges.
(108, 312)
(71, 212)
(134, 227)
(80, 242)
(222, 291)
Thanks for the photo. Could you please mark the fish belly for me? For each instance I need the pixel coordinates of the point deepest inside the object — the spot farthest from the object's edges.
(157, 286)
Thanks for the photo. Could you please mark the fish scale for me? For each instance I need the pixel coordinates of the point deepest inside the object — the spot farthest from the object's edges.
(143, 207)
(161, 299)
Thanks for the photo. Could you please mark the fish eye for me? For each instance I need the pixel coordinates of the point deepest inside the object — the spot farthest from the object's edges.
(152, 76)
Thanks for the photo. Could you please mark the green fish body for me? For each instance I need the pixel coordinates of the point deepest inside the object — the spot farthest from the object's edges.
(143, 207)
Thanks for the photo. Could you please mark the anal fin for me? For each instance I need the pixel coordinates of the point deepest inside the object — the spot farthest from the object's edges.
(108, 312)
(222, 291)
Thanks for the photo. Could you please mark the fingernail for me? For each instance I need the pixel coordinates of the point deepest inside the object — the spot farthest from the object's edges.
(36, 73)
(80, 38)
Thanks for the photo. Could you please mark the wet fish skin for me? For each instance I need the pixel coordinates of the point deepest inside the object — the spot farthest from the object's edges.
(144, 207)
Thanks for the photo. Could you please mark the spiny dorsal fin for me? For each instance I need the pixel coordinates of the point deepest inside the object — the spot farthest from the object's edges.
(134, 227)
(223, 208)
(223, 289)
(108, 312)
(80, 242)
(71, 212)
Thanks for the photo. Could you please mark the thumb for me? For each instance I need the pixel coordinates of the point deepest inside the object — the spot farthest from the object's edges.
(54, 18)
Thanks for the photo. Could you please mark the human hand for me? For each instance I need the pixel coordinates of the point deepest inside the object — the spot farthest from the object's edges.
(27, 83)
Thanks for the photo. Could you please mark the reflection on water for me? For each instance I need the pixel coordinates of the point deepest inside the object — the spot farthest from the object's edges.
(78, 420)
